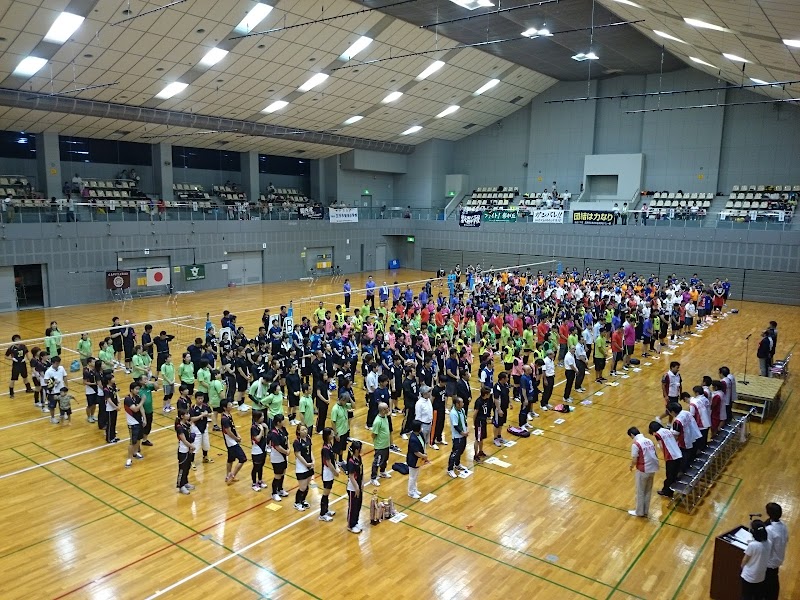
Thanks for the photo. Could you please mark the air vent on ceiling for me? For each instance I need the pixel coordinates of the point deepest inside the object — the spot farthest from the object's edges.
(470, 126)
(517, 99)
(299, 151)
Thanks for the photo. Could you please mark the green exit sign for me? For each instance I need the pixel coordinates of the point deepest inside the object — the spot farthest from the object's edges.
(366, 193)
(451, 193)
(410, 238)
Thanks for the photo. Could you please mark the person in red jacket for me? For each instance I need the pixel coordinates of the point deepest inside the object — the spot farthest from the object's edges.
(616, 349)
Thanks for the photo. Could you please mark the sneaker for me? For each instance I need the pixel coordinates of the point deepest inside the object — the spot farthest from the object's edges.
(138, 455)
(396, 448)
(128, 463)
(415, 495)
(569, 400)
(633, 513)
(476, 459)
(404, 436)
(127, 371)
(184, 490)
(434, 446)
(326, 518)
(462, 468)
(216, 428)
(385, 475)
(580, 389)
(613, 373)
(44, 408)
(355, 529)
(306, 504)
(498, 443)
(299, 507)
(262, 485)
(37, 403)
(114, 441)
(625, 368)
(207, 460)
(194, 467)
(663, 493)
(482, 454)
(276, 497)
(443, 442)
(283, 493)
(189, 486)
(452, 474)
(256, 487)
(147, 443)
(546, 407)
(375, 482)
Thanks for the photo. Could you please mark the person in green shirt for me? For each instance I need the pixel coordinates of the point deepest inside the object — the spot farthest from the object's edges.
(529, 343)
(84, 349)
(381, 441)
(319, 313)
(469, 329)
(203, 377)
(341, 427)
(168, 382)
(273, 401)
(140, 363)
(505, 333)
(186, 372)
(306, 408)
(600, 355)
(572, 338)
(106, 355)
(148, 386)
(216, 391)
(508, 357)
(258, 392)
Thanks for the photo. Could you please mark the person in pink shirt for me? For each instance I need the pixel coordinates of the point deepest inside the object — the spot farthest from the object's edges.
(629, 339)
(426, 341)
(391, 338)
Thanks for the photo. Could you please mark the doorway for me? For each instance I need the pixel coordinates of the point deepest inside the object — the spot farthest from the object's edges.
(380, 258)
(29, 286)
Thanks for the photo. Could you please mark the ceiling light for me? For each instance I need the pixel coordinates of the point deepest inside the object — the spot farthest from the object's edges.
(277, 105)
(257, 14)
(448, 111)
(580, 56)
(432, 68)
(411, 130)
(668, 36)
(356, 47)
(792, 43)
(173, 88)
(392, 97)
(64, 26)
(700, 61)
(30, 65)
(354, 119)
(473, 4)
(735, 58)
(486, 87)
(759, 81)
(534, 33)
(313, 82)
(213, 56)
(628, 2)
(704, 25)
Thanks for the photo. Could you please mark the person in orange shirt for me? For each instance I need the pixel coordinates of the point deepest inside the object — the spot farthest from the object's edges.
(616, 349)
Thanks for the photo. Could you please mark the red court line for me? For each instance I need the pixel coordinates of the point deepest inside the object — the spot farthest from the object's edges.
(173, 544)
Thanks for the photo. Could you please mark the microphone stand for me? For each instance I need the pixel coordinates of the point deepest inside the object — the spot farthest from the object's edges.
(746, 355)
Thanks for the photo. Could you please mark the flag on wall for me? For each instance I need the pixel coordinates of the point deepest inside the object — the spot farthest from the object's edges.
(158, 276)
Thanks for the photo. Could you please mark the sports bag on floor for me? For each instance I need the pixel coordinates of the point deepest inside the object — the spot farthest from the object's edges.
(518, 431)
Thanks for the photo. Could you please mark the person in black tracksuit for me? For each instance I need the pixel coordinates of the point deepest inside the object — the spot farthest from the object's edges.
(410, 396)
(439, 414)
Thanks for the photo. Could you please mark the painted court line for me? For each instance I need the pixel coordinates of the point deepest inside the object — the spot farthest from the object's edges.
(236, 553)
(71, 456)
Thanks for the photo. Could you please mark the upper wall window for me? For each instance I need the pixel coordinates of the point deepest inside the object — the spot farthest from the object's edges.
(184, 157)
(90, 150)
(284, 165)
(17, 144)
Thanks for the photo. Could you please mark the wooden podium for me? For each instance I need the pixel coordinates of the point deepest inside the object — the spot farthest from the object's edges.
(726, 569)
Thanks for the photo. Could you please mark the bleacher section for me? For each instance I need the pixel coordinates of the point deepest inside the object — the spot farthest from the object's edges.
(693, 205)
(761, 202)
(187, 194)
(17, 185)
(485, 198)
(284, 199)
(531, 201)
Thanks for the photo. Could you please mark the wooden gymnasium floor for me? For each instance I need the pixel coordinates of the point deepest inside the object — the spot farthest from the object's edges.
(553, 524)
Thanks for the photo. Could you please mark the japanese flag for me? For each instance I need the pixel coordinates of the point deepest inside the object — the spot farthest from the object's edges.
(157, 276)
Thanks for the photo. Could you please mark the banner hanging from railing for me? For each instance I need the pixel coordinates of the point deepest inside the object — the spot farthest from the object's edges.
(592, 217)
(343, 215)
(118, 280)
(470, 218)
(547, 216)
(500, 215)
(311, 212)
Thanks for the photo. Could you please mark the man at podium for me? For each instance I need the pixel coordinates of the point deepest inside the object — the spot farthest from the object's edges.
(778, 537)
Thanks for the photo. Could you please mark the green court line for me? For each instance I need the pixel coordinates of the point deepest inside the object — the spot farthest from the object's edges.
(153, 531)
(497, 560)
(171, 518)
(705, 541)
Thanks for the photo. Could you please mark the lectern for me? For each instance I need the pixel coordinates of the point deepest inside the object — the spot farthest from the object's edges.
(726, 570)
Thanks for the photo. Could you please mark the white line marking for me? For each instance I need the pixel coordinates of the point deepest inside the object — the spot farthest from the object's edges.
(214, 565)
(55, 460)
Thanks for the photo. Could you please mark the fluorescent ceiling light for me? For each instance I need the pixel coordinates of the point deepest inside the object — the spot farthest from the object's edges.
(30, 65)
(257, 14)
(448, 111)
(534, 33)
(668, 36)
(411, 130)
(628, 2)
(173, 88)
(313, 82)
(354, 119)
(735, 58)
(703, 24)
(392, 97)
(486, 87)
(213, 56)
(356, 47)
(792, 43)
(64, 26)
(759, 81)
(432, 68)
(277, 105)
(580, 56)
(700, 61)
(473, 4)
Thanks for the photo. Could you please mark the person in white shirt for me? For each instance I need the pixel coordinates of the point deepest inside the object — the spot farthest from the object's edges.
(424, 411)
(754, 562)
(645, 463)
(778, 537)
(582, 361)
(549, 379)
(55, 378)
(570, 371)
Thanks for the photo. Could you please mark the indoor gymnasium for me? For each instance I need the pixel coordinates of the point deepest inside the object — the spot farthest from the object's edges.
(399, 298)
